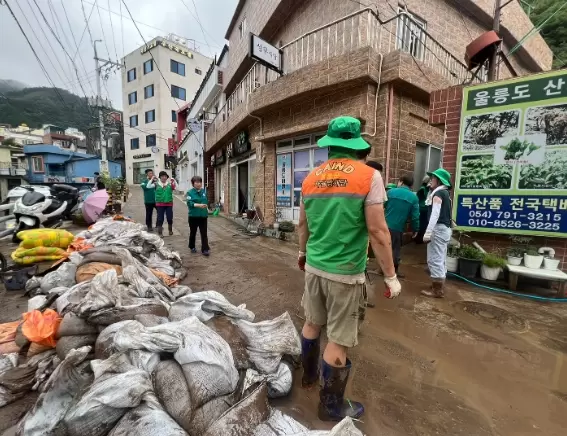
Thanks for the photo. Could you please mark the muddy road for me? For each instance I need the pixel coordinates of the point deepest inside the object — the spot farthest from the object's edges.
(474, 364)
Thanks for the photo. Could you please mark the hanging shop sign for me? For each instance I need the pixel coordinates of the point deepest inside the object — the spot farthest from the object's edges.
(283, 182)
(511, 173)
(266, 54)
(241, 145)
(171, 146)
(219, 157)
(141, 156)
(166, 44)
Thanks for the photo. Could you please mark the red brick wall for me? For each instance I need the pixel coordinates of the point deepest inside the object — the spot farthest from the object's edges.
(445, 110)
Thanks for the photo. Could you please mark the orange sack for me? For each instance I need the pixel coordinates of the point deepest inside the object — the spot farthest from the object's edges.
(41, 328)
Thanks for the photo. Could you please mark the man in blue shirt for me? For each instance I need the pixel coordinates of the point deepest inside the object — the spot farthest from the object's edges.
(402, 206)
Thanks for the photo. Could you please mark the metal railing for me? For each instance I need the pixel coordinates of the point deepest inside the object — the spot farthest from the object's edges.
(347, 34)
(7, 165)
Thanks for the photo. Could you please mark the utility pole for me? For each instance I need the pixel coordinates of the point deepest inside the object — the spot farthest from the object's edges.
(99, 104)
(496, 28)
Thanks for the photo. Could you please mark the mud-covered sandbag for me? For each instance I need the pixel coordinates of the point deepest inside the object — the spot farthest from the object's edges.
(87, 271)
(234, 337)
(173, 393)
(279, 383)
(147, 420)
(69, 300)
(269, 340)
(242, 418)
(32, 284)
(344, 428)
(72, 325)
(151, 320)
(279, 424)
(140, 306)
(62, 390)
(108, 399)
(68, 343)
(8, 361)
(125, 361)
(36, 302)
(163, 338)
(208, 413)
(101, 256)
(162, 265)
(205, 305)
(104, 345)
(101, 293)
(63, 276)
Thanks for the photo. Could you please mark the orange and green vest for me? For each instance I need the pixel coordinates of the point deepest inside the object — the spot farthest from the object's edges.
(334, 195)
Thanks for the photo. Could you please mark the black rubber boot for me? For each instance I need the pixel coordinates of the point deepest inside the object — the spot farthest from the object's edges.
(398, 273)
(149, 229)
(310, 353)
(170, 226)
(332, 405)
(159, 231)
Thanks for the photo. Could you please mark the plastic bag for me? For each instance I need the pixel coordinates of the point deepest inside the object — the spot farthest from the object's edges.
(204, 305)
(269, 340)
(41, 328)
(63, 276)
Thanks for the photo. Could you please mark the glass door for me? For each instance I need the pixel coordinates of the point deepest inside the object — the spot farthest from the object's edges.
(234, 189)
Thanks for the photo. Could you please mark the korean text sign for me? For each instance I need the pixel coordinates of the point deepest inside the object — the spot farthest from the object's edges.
(511, 175)
(283, 183)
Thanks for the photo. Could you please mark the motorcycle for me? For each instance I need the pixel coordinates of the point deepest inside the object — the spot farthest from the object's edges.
(35, 209)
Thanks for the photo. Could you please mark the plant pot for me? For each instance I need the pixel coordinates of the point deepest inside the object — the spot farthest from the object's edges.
(452, 264)
(514, 261)
(551, 264)
(533, 262)
(468, 268)
(489, 273)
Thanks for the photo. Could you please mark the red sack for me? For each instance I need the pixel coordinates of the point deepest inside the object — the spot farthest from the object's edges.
(41, 327)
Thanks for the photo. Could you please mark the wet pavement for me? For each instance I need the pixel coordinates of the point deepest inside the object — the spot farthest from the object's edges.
(474, 363)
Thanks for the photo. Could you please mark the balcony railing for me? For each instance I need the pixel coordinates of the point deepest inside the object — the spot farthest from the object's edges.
(12, 169)
(355, 31)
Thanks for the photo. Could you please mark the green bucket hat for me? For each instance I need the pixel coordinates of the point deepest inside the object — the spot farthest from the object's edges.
(391, 186)
(443, 175)
(344, 132)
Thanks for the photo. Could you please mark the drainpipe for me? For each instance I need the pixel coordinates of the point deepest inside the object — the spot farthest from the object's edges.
(376, 102)
(389, 130)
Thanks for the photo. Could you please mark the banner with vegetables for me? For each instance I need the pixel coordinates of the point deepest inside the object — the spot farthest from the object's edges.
(511, 172)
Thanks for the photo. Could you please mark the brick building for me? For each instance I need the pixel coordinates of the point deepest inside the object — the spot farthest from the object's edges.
(379, 64)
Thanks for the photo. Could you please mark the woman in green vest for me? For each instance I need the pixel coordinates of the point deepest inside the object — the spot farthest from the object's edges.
(164, 201)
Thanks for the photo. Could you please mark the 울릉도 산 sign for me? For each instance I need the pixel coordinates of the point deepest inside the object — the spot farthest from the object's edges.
(511, 175)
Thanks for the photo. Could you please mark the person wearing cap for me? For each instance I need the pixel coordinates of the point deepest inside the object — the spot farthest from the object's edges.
(164, 202)
(341, 207)
(402, 206)
(422, 193)
(438, 232)
(149, 188)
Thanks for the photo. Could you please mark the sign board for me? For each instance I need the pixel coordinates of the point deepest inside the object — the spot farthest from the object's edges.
(141, 156)
(103, 166)
(194, 125)
(53, 179)
(83, 179)
(171, 146)
(266, 54)
(283, 180)
(167, 44)
(219, 157)
(511, 175)
(241, 145)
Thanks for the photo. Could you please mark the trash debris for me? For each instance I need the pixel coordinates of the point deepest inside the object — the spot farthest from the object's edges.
(41, 327)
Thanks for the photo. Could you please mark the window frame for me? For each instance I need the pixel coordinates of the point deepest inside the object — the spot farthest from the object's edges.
(179, 88)
(135, 94)
(176, 70)
(153, 112)
(137, 120)
(151, 63)
(132, 143)
(146, 94)
(153, 135)
(417, 171)
(128, 79)
(173, 116)
(406, 25)
(35, 168)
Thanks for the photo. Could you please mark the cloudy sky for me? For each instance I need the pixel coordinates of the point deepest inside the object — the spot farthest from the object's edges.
(109, 21)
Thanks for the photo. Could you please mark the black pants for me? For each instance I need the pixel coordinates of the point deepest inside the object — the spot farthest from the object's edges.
(423, 223)
(198, 223)
(164, 212)
(396, 238)
(150, 214)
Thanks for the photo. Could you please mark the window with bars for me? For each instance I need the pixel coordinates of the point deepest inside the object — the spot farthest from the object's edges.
(411, 36)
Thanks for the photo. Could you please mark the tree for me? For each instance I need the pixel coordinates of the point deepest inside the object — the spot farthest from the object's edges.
(10, 142)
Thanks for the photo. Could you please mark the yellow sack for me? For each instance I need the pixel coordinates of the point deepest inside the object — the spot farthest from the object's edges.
(27, 256)
(45, 238)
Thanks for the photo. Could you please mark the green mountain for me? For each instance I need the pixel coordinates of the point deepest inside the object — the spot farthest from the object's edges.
(554, 31)
(38, 106)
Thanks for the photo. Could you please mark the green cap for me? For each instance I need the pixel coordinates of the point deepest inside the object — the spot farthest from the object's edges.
(344, 132)
(391, 186)
(443, 175)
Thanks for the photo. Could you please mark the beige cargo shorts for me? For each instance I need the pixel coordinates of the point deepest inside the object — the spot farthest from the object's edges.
(336, 305)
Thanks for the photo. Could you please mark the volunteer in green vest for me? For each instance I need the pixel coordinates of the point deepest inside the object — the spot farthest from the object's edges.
(341, 207)
(149, 188)
(438, 232)
(197, 203)
(164, 202)
(402, 206)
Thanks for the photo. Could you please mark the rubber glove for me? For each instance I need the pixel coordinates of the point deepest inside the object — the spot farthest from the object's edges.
(393, 287)
(427, 237)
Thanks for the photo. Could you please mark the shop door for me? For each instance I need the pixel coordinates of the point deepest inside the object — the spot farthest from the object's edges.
(243, 192)
(234, 189)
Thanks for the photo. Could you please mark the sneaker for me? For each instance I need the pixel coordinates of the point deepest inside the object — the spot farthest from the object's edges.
(206, 253)
(194, 250)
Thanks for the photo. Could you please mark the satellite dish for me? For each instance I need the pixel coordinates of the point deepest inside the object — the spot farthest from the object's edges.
(194, 125)
(155, 150)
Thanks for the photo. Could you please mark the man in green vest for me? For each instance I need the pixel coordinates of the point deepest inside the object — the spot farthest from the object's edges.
(342, 206)
(149, 188)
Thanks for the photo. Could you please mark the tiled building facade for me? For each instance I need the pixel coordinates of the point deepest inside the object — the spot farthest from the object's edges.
(340, 58)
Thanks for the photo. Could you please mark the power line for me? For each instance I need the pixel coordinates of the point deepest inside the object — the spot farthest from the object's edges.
(112, 29)
(102, 28)
(50, 7)
(121, 27)
(196, 16)
(87, 27)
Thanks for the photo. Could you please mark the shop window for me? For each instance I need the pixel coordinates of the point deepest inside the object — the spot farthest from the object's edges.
(427, 158)
(411, 36)
(37, 164)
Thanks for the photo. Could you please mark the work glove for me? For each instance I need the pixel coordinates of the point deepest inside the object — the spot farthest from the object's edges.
(427, 237)
(393, 287)
(301, 259)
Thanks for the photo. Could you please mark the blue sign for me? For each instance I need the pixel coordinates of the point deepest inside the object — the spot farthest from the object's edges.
(521, 214)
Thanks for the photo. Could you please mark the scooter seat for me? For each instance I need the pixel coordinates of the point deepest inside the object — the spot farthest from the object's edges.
(65, 188)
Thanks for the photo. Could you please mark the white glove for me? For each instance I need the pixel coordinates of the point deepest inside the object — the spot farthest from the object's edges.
(427, 237)
(393, 287)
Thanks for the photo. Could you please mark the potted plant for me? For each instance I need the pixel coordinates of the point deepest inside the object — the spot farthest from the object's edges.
(532, 259)
(515, 256)
(492, 265)
(452, 261)
(550, 263)
(470, 259)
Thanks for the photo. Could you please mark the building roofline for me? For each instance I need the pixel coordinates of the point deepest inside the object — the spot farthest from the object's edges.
(222, 54)
(203, 83)
(235, 16)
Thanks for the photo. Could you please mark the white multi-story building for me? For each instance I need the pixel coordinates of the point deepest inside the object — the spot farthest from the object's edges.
(151, 105)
